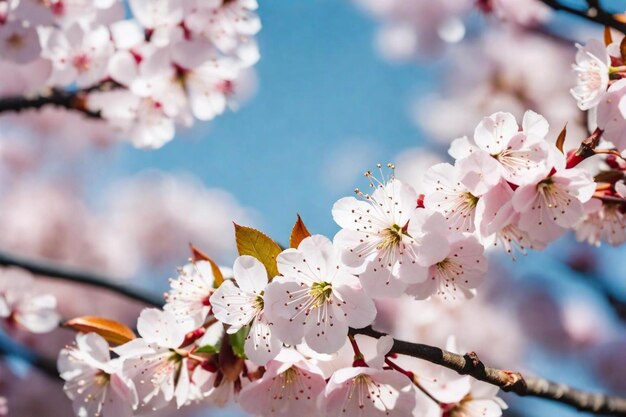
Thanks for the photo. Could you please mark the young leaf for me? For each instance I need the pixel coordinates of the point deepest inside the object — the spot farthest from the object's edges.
(207, 349)
(114, 332)
(198, 255)
(608, 36)
(622, 48)
(298, 233)
(238, 340)
(561, 139)
(255, 243)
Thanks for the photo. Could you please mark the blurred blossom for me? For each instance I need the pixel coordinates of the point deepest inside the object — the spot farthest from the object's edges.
(490, 75)
(412, 164)
(163, 213)
(411, 29)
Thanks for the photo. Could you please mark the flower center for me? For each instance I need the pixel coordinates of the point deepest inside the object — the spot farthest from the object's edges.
(15, 41)
(102, 378)
(471, 200)
(320, 293)
(258, 303)
(392, 236)
(81, 62)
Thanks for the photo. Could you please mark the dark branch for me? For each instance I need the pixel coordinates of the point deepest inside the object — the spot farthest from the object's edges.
(53, 270)
(470, 364)
(10, 349)
(594, 13)
(65, 99)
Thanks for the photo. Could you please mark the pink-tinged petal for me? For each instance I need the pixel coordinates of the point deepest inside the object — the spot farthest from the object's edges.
(163, 328)
(413, 272)
(281, 309)
(326, 334)
(359, 309)
(356, 248)
(483, 408)
(319, 255)
(534, 124)
(250, 274)
(261, 345)
(348, 212)
(525, 197)
(447, 388)
(479, 172)
(292, 392)
(182, 385)
(380, 282)
(367, 392)
(461, 148)
(121, 398)
(233, 306)
(95, 346)
(493, 133)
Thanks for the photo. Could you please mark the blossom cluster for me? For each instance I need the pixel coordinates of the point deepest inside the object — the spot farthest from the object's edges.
(278, 333)
(167, 64)
(420, 27)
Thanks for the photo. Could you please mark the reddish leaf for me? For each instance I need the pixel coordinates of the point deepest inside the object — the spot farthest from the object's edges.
(298, 233)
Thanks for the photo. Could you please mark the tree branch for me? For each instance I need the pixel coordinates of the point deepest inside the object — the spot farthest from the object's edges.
(54, 270)
(594, 13)
(509, 381)
(65, 99)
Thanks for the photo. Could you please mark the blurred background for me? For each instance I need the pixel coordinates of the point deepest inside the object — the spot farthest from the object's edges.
(340, 86)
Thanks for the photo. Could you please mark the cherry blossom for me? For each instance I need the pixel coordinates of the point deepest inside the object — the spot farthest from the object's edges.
(19, 303)
(243, 304)
(94, 381)
(446, 193)
(603, 222)
(190, 292)
(290, 386)
(369, 390)
(517, 156)
(78, 55)
(592, 68)
(383, 233)
(555, 203)
(18, 43)
(457, 273)
(315, 297)
(158, 370)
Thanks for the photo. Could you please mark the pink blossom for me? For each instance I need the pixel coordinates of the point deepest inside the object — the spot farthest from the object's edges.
(316, 298)
(244, 304)
(290, 386)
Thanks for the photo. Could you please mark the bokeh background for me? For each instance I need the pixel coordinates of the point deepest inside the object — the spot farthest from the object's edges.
(336, 91)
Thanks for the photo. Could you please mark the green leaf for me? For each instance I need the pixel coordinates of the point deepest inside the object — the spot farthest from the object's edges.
(238, 340)
(255, 243)
(298, 233)
(207, 349)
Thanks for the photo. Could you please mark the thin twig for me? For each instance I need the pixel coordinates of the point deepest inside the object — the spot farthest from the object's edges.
(57, 271)
(594, 13)
(470, 364)
(65, 99)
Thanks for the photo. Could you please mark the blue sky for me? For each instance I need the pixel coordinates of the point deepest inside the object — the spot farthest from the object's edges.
(326, 109)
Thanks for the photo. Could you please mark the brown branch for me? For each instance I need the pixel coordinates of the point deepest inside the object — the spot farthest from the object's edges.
(64, 99)
(57, 271)
(70, 100)
(509, 381)
(594, 13)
